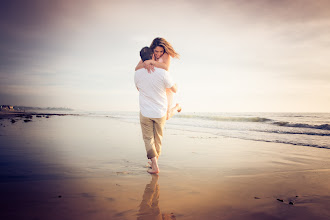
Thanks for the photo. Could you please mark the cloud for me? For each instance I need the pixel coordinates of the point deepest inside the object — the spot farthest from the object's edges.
(89, 48)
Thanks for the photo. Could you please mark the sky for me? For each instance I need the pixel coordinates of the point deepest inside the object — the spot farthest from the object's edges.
(236, 56)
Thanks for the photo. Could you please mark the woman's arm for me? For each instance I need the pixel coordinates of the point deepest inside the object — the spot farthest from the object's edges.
(139, 66)
(165, 65)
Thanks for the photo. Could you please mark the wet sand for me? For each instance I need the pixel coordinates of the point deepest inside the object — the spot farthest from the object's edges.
(77, 167)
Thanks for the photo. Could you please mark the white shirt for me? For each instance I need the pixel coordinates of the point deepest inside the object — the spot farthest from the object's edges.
(152, 87)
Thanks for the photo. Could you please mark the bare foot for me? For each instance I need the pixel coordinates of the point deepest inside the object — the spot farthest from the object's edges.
(154, 166)
(178, 107)
(153, 171)
(172, 111)
(150, 162)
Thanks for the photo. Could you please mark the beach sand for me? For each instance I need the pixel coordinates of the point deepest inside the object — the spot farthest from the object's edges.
(79, 167)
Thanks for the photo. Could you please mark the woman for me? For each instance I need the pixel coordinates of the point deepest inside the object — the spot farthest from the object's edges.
(163, 51)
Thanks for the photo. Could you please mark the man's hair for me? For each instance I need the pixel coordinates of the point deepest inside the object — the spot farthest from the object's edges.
(146, 53)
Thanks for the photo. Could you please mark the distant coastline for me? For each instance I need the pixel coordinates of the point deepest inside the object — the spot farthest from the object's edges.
(28, 108)
(27, 112)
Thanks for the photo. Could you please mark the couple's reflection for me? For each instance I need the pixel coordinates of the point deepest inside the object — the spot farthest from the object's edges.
(149, 207)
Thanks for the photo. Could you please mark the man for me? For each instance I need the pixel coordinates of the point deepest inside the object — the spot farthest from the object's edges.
(153, 106)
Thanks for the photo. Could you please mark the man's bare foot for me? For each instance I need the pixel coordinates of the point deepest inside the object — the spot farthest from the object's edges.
(154, 166)
(153, 171)
(150, 162)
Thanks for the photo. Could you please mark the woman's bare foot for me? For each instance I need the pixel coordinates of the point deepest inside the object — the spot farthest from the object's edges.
(172, 111)
(178, 108)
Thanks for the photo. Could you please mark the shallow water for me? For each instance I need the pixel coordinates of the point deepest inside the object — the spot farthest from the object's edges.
(305, 129)
(94, 167)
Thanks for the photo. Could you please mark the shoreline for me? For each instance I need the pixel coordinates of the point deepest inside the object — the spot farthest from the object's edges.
(13, 114)
(86, 167)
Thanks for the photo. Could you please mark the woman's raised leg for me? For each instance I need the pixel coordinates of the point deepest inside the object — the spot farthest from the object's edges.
(169, 95)
(171, 111)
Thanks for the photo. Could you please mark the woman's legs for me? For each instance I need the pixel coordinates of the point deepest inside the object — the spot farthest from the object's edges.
(171, 111)
(174, 110)
(169, 95)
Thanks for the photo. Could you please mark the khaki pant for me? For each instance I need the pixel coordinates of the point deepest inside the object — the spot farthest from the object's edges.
(152, 131)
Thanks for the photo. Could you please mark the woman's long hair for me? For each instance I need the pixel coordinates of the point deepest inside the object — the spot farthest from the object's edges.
(161, 42)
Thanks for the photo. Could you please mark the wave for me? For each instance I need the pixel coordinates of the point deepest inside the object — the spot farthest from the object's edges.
(253, 138)
(287, 142)
(256, 119)
(292, 132)
(300, 125)
(249, 127)
(223, 118)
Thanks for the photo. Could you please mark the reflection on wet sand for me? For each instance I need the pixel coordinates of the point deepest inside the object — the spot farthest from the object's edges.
(80, 168)
(149, 207)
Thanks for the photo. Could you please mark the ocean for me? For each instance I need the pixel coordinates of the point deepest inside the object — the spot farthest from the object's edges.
(304, 129)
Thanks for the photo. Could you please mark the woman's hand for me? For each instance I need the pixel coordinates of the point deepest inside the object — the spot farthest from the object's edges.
(148, 62)
(149, 66)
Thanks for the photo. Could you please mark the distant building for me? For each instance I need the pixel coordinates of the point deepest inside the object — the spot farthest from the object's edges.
(7, 108)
